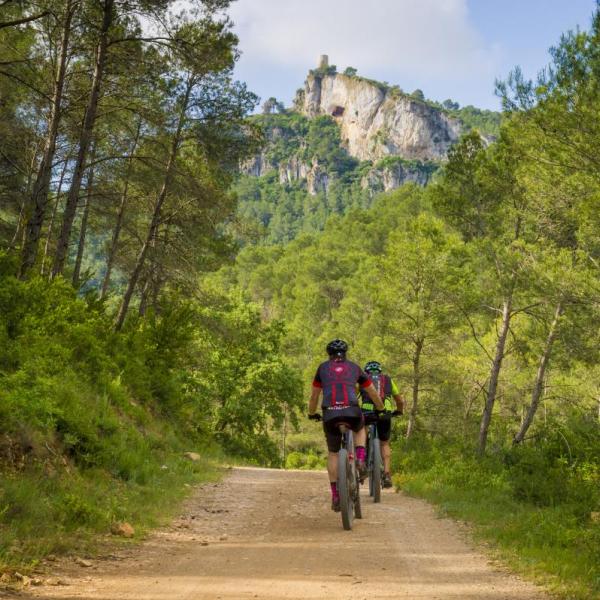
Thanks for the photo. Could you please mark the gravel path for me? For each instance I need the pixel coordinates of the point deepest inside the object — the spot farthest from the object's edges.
(270, 534)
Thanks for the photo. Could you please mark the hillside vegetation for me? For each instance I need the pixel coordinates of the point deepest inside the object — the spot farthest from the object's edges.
(283, 209)
(108, 376)
(305, 172)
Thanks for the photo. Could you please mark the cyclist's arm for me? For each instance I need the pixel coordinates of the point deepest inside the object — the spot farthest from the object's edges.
(397, 397)
(314, 400)
(399, 402)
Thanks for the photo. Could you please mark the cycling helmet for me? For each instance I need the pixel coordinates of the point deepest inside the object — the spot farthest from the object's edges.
(337, 348)
(373, 367)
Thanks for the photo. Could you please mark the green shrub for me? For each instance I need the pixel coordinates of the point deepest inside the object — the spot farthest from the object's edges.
(305, 460)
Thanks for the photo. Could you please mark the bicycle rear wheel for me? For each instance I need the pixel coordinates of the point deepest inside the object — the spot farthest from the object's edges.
(375, 474)
(357, 507)
(344, 489)
(370, 461)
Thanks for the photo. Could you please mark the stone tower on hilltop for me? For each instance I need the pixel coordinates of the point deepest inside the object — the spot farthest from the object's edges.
(323, 61)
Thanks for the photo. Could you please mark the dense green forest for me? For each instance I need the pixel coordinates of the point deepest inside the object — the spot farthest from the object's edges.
(118, 147)
(142, 315)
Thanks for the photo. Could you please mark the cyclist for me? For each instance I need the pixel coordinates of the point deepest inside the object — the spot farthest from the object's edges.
(337, 378)
(387, 390)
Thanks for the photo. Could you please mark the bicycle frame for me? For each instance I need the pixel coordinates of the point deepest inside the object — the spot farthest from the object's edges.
(374, 457)
(348, 481)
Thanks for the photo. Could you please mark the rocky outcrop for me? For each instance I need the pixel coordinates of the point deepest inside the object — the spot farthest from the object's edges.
(317, 180)
(293, 170)
(314, 175)
(377, 121)
(391, 177)
(257, 166)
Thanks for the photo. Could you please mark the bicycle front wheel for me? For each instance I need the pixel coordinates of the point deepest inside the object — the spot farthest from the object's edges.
(375, 474)
(344, 489)
(370, 462)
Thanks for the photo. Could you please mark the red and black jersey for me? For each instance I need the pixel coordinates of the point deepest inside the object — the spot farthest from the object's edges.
(338, 379)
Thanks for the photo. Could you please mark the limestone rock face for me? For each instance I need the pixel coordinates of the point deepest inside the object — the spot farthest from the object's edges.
(293, 170)
(257, 166)
(391, 177)
(317, 180)
(376, 122)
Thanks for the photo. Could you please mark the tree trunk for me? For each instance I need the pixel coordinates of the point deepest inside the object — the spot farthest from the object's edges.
(133, 279)
(114, 244)
(53, 216)
(412, 417)
(49, 234)
(159, 277)
(538, 386)
(19, 228)
(85, 138)
(39, 195)
(144, 296)
(495, 375)
(84, 221)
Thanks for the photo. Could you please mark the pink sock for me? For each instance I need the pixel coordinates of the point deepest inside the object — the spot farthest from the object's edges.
(360, 453)
(334, 491)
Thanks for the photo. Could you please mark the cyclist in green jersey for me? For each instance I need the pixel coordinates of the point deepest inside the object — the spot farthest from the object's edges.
(389, 393)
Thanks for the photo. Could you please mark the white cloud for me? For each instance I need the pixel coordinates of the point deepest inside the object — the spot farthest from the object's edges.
(431, 38)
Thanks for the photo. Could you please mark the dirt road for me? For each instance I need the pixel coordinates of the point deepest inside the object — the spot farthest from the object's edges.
(270, 534)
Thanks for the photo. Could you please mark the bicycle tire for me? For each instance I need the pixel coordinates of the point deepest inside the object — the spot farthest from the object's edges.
(370, 462)
(346, 501)
(376, 473)
(357, 506)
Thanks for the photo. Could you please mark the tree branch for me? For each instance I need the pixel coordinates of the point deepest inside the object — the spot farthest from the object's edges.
(524, 309)
(474, 333)
(27, 85)
(24, 20)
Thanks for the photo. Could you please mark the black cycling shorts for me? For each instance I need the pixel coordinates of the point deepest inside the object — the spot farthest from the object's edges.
(384, 426)
(333, 435)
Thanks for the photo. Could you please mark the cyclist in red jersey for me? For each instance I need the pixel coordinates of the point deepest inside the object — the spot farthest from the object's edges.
(336, 379)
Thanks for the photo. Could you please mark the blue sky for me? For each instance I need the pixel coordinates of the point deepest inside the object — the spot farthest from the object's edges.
(448, 48)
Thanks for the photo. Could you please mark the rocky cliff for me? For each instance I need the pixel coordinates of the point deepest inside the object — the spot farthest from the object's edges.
(345, 140)
(376, 120)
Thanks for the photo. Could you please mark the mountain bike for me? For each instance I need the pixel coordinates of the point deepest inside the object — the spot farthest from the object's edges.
(374, 460)
(348, 480)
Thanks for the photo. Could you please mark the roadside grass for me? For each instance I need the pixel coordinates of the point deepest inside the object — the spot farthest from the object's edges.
(557, 546)
(65, 510)
(93, 425)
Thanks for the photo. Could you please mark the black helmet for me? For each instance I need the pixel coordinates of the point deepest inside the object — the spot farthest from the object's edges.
(337, 348)
(373, 366)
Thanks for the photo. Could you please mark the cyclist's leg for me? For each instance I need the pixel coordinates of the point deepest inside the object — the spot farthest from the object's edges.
(332, 466)
(384, 431)
(334, 440)
(360, 440)
(386, 455)
(360, 437)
